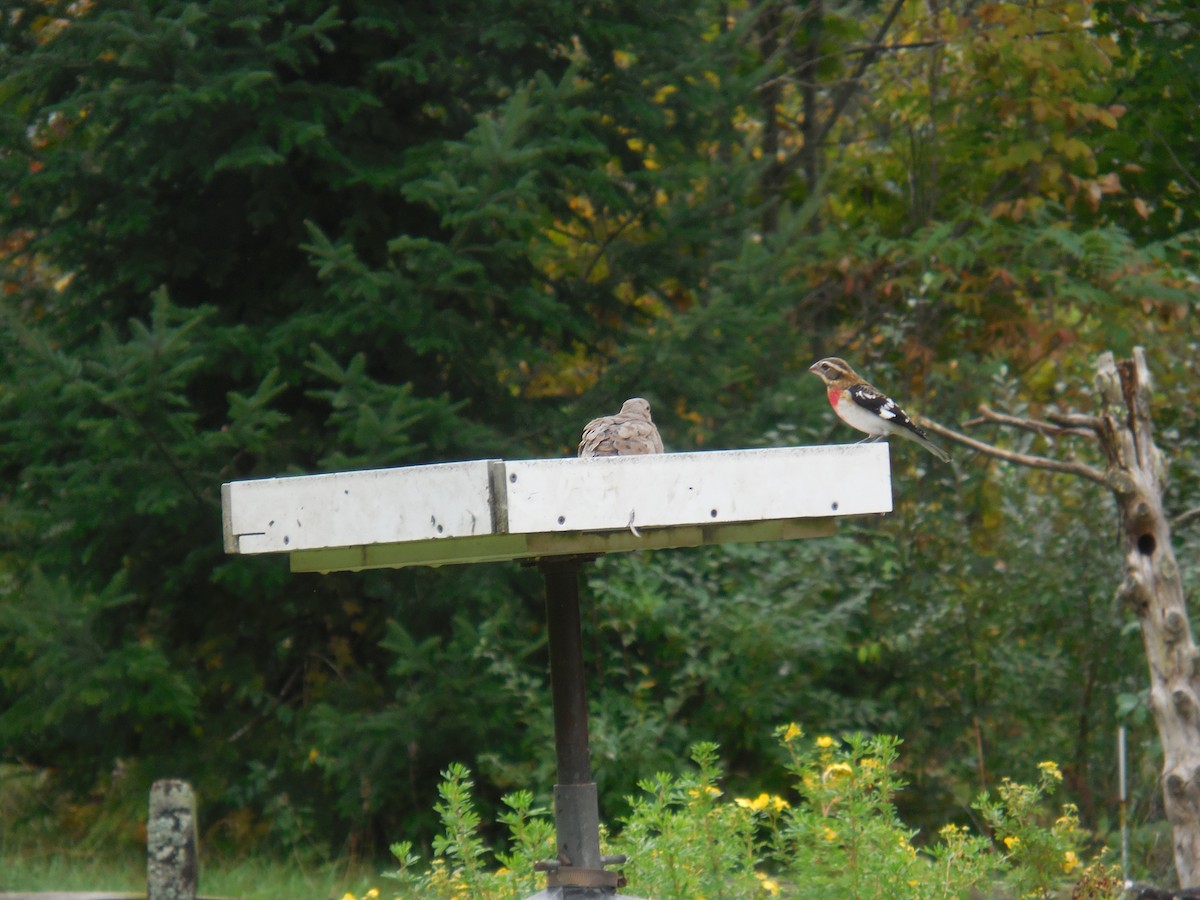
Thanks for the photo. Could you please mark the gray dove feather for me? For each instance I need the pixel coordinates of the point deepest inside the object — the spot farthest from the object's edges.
(629, 433)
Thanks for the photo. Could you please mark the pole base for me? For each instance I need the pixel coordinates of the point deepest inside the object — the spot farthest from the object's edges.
(577, 820)
(572, 877)
(580, 893)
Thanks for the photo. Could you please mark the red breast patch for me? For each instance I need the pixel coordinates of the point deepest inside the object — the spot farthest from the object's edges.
(834, 393)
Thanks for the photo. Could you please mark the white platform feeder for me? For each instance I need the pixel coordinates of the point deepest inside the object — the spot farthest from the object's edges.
(558, 512)
(487, 510)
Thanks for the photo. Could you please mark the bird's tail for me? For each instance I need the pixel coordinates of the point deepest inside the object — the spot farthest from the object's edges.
(932, 447)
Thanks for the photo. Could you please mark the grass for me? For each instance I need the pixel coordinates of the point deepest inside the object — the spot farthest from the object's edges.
(51, 844)
(57, 868)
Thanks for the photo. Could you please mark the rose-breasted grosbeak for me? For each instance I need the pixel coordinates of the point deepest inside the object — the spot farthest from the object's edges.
(867, 408)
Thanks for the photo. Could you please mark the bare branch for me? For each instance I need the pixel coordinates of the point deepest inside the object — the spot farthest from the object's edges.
(1183, 170)
(1077, 421)
(923, 45)
(850, 85)
(1067, 467)
(1184, 517)
(894, 48)
(1046, 429)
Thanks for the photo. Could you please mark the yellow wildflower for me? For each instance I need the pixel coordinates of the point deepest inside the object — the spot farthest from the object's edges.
(1070, 861)
(1011, 841)
(348, 896)
(771, 886)
(824, 742)
(830, 834)
(779, 804)
(1050, 769)
(758, 804)
(372, 894)
(837, 770)
(793, 732)
(313, 755)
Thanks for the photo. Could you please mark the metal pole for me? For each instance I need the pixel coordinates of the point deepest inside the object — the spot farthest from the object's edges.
(566, 670)
(1124, 804)
(576, 807)
(578, 873)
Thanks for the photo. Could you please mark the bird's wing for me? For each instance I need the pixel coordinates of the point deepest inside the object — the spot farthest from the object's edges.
(592, 443)
(883, 406)
(619, 436)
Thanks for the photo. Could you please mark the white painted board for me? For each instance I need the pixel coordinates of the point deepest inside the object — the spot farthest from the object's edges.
(343, 509)
(556, 495)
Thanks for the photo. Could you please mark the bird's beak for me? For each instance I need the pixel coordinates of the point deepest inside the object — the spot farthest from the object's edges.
(813, 367)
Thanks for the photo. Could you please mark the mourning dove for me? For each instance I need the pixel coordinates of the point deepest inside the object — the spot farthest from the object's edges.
(628, 433)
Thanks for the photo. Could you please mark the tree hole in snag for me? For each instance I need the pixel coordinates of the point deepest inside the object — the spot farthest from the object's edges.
(1146, 545)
